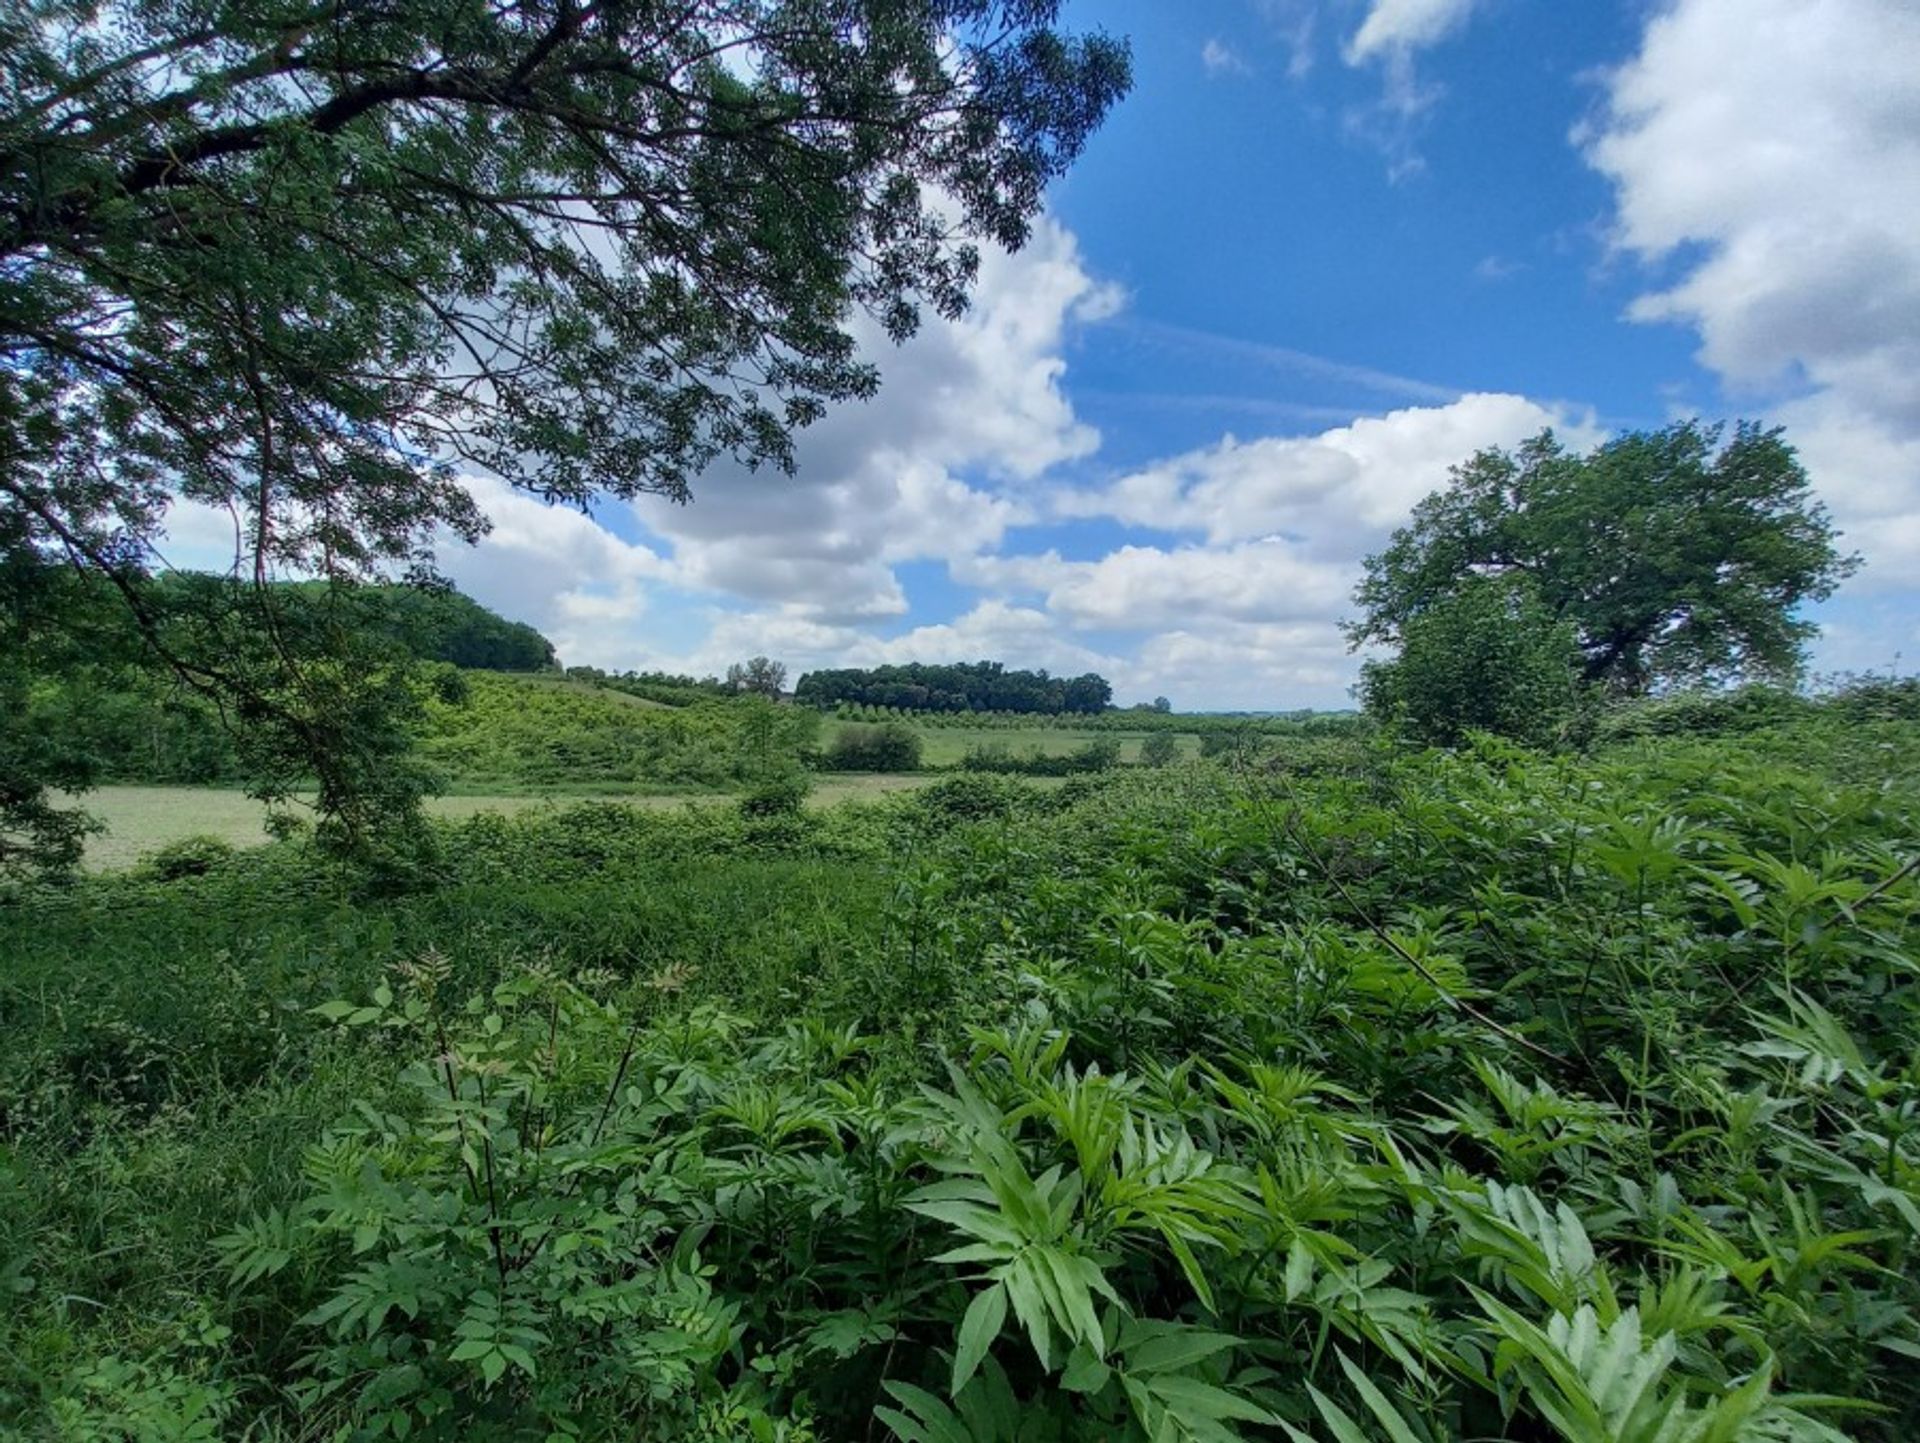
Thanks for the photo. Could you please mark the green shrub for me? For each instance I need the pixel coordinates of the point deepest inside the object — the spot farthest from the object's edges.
(188, 857)
(1701, 713)
(1094, 756)
(890, 747)
(1159, 749)
(1488, 658)
(776, 796)
(972, 798)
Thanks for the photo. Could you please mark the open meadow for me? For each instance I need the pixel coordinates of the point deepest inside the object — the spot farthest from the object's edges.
(139, 819)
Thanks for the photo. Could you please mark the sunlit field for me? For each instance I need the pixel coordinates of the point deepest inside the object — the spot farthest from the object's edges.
(139, 819)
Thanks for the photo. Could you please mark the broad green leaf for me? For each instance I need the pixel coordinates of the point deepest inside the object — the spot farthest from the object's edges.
(985, 1316)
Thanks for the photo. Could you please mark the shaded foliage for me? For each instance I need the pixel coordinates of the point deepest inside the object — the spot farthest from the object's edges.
(889, 747)
(1490, 657)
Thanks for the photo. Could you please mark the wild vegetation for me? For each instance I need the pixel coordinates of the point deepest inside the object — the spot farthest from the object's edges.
(1345, 1092)
(1273, 1078)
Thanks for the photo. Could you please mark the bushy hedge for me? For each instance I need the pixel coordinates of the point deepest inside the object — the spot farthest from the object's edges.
(1093, 756)
(889, 747)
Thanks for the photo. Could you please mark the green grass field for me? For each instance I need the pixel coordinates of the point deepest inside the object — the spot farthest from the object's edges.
(947, 746)
(139, 819)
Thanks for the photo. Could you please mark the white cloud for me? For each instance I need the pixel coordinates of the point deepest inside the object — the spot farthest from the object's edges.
(1405, 25)
(1339, 491)
(993, 629)
(1221, 59)
(1391, 35)
(1294, 23)
(557, 570)
(877, 484)
(1247, 613)
(1772, 147)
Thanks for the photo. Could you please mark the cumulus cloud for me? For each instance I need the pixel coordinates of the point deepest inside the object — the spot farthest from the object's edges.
(558, 570)
(1242, 607)
(1771, 149)
(881, 482)
(970, 413)
(1337, 492)
(1021, 636)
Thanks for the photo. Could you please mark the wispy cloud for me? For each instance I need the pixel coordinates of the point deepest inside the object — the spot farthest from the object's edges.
(1264, 408)
(1294, 21)
(1286, 358)
(1403, 26)
(1390, 36)
(1222, 59)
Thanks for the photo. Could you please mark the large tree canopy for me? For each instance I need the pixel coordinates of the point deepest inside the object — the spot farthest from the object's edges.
(303, 257)
(1675, 559)
(309, 260)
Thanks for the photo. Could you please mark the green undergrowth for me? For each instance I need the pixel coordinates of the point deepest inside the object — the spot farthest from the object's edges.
(1357, 1094)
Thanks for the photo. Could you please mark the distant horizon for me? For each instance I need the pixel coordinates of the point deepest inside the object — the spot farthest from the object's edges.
(1319, 255)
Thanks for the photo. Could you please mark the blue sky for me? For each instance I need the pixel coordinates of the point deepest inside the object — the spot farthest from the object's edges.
(1325, 249)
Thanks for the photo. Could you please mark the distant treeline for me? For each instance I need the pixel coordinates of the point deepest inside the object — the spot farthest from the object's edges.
(1131, 721)
(120, 715)
(981, 686)
(661, 686)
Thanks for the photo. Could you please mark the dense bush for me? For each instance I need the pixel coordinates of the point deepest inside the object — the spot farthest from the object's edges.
(1488, 658)
(667, 688)
(1411, 1096)
(1702, 713)
(1094, 756)
(524, 732)
(1159, 749)
(188, 857)
(889, 747)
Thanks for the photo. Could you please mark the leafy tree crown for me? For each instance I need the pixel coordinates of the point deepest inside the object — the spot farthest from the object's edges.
(1675, 558)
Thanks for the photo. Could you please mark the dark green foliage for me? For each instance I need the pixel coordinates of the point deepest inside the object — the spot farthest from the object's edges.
(1677, 560)
(1094, 756)
(527, 733)
(1704, 713)
(663, 687)
(1159, 749)
(972, 797)
(188, 857)
(889, 747)
(758, 676)
(776, 796)
(53, 629)
(1489, 657)
(962, 687)
(1435, 1096)
(438, 623)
